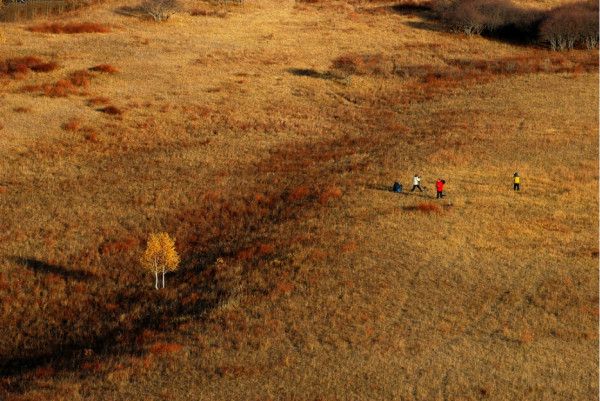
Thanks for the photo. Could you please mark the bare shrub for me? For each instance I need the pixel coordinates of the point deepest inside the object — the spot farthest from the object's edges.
(564, 27)
(570, 26)
(489, 16)
(160, 10)
(464, 16)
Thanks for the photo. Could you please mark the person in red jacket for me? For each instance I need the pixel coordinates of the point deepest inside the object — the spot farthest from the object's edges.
(439, 186)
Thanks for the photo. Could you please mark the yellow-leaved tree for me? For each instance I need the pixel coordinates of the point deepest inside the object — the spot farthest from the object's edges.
(160, 256)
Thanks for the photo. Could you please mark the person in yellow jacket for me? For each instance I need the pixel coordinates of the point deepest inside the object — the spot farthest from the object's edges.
(517, 181)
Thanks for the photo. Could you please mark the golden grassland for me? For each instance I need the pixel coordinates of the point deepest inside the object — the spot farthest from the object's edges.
(264, 139)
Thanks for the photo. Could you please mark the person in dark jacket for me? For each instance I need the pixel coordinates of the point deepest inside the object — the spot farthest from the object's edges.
(439, 187)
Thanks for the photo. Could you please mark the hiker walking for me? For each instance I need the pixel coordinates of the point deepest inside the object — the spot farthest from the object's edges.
(517, 181)
(416, 183)
(439, 187)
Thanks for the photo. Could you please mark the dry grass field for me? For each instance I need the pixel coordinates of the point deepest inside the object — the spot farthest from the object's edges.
(264, 138)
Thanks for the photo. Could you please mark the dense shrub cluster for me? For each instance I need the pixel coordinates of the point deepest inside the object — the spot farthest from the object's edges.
(16, 10)
(479, 16)
(564, 27)
(570, 26)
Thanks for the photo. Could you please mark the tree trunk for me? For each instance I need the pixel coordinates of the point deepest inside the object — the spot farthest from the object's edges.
(156, 280)
(163, 277)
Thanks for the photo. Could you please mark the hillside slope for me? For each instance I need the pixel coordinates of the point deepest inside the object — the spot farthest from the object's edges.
(265, 142)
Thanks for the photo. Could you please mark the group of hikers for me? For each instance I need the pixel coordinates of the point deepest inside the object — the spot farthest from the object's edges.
(439, 185)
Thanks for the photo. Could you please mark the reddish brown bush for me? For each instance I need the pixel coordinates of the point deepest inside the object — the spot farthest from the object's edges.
(284, 288)
(246, 254)
(119, 246)
(329, 194)
(72, 125)
(112, 110)
(165, 348)
(266, 249)
(81, 78)
(64, 87)
(425, 207)
(70, 28)
(299, 193)
(91, 136)
(44, 67)
(20, 66)
(349, 247)
(428, 207)
(60, 88)
(362, 64)
(107, 68)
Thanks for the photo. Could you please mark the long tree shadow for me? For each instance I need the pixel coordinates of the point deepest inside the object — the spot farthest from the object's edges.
(122, 339)
(216, 228)
(158, 311)
(39, 266)
(145, 307)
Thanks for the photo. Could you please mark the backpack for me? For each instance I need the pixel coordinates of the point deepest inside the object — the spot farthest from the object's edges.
(397, 187)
